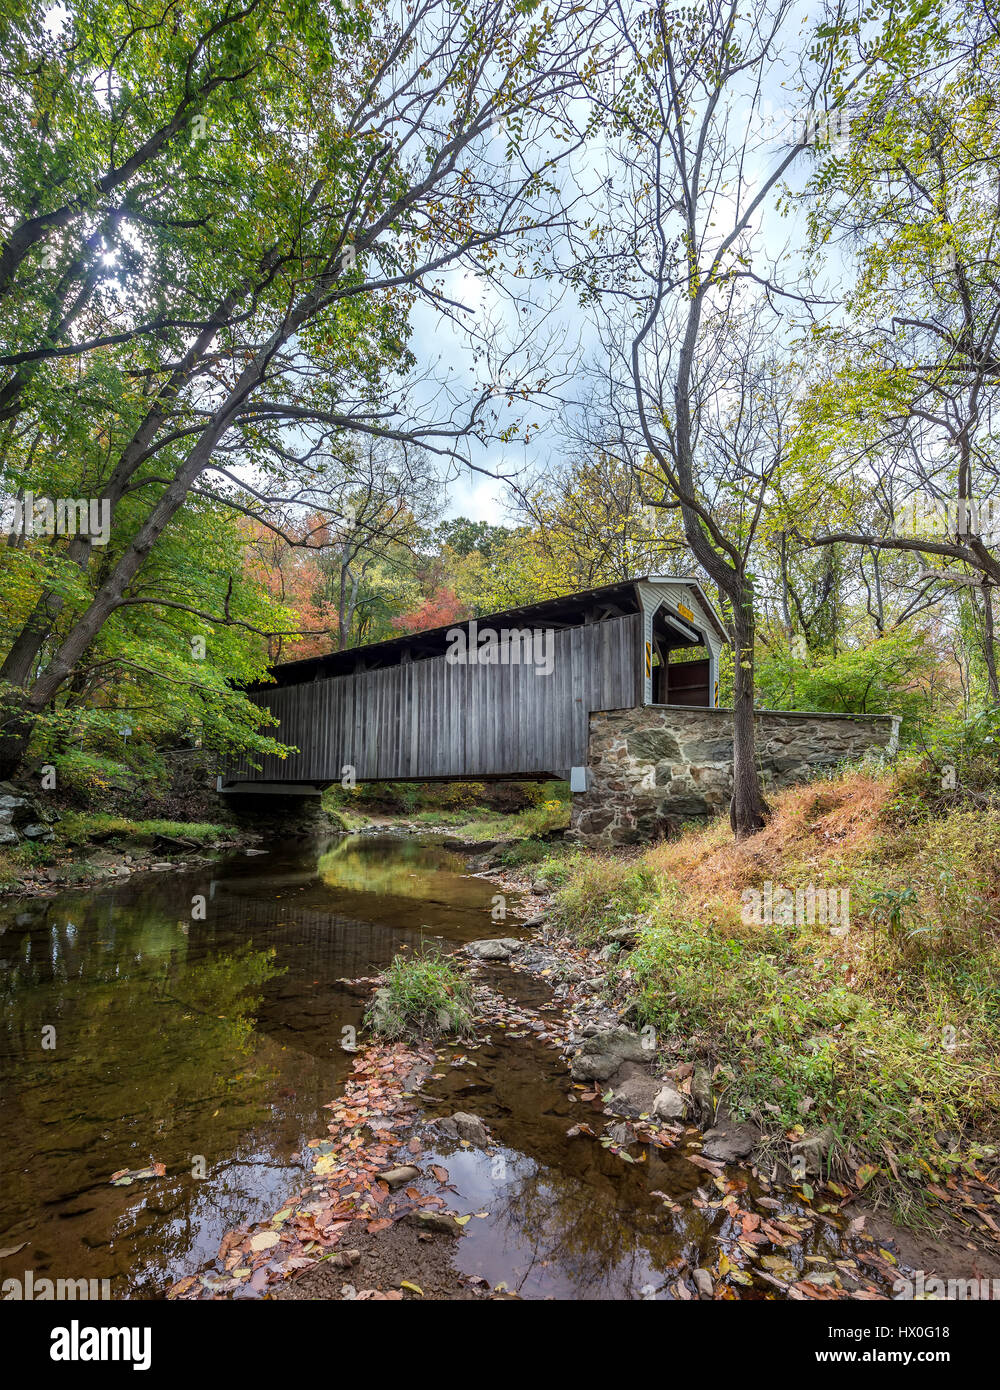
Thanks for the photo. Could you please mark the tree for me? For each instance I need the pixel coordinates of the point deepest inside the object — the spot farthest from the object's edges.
(690, 320)
(589, 515)
(903, 429)
(217, 285)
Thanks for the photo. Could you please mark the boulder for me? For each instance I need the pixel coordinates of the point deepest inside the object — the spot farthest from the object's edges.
(462, 1125)
(816, 1149)
(8, 835)
(495, 948)
(625, 935)
(635, 1090)
(37, 831)
(729, 1142)
(604, 1052)
(669, 1103)
(105, 859)
(15, 810)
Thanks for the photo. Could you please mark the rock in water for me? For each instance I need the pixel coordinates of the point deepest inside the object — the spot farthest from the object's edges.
(635, 1090)
(670, 1104)
(435, 1221)
(726, 1142)
(603, 1054)
(703, 1280)
(495, 948)
(396, 1177)
(462, 1125)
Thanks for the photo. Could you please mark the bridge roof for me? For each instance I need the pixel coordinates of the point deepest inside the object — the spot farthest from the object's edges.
(570, 610)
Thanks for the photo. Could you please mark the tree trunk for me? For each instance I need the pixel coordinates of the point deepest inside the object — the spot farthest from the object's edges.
(989, 644)
(748, 811)
(15, 732)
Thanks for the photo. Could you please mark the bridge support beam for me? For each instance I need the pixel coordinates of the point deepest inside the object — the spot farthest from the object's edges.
(277, 809)
(239, 789)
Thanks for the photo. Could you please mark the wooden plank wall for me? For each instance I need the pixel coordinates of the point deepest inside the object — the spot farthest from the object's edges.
(428, 719)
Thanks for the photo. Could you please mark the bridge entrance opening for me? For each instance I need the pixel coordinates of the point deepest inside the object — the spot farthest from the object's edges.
(682, 672)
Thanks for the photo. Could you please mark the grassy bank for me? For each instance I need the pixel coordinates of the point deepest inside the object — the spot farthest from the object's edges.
(881, 1029)
(79, 835)
(457, 808)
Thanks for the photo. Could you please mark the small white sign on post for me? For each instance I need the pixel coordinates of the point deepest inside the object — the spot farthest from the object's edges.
(578, 779)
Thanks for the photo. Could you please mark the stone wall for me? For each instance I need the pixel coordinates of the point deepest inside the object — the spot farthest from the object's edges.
(654, 766)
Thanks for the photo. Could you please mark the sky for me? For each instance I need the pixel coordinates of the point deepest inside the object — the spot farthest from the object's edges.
(439, 342)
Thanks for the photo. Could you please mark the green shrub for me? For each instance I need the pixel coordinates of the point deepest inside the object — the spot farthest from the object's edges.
(423, 996)
(889, 675)
(958, 765)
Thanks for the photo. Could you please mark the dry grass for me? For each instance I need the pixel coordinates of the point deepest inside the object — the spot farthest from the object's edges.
(888, 1032)
(812, 828)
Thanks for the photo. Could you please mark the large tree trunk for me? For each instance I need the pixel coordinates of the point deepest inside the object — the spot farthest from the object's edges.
(15, 730)
(748, 811)
(989, 644)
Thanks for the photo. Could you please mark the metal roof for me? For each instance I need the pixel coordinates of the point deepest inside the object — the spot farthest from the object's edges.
(565, 611)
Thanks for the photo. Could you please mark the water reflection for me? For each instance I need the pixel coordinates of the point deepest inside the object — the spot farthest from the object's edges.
(134, 1032)
(211, 1045)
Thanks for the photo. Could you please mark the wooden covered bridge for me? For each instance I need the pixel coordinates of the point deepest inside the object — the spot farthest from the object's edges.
(506, 696)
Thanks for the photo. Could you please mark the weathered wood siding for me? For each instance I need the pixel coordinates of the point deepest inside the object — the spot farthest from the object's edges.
(428, 719)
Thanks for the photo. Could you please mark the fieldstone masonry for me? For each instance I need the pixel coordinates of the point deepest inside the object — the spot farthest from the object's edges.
(653, 766)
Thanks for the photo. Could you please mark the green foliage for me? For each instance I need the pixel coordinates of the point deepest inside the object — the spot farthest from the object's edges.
(464, 536)
(81, 827)
(955, 764)
(454, 806)
(890, 675)
(423, 996)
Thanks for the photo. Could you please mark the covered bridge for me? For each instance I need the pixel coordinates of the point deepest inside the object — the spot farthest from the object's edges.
(505, 696)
